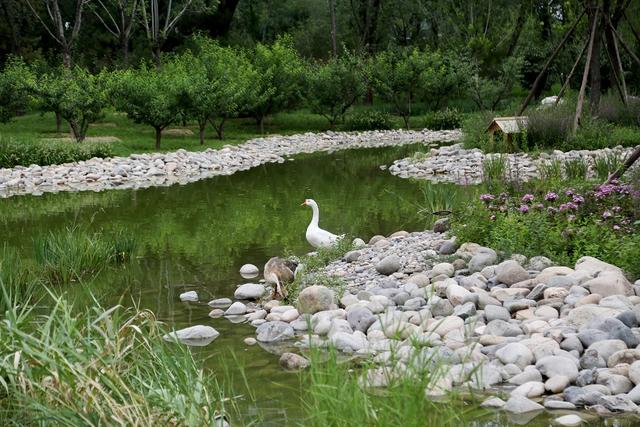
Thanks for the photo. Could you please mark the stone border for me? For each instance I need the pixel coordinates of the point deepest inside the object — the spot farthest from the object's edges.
(457, 165)
(182, 166)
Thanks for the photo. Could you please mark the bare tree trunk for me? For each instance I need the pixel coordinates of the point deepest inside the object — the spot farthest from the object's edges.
(595, 72)
(157, 55)
(220, 128)
(202, 126)
(555, 53)
(635, 155)
(260, 123)
(332, 13)
(158, 137)
(124, 48)
(585, 75)
(58, 122)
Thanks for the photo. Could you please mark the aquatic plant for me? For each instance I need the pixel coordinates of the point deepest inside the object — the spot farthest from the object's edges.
(73, 254)
(99, 367)
(494, 168)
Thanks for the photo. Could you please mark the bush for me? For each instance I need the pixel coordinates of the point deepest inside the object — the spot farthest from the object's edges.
(449, 118)
(24, 153)
(549, 128)
(613, 110)
(601, 222)
(369, 120)
(474, 129)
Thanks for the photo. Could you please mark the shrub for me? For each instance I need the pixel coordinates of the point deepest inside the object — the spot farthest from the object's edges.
(551, 170)
(613, 110)
(449, 118)
(549, 128)
(24, 153)
(369, 120)
(474, 128)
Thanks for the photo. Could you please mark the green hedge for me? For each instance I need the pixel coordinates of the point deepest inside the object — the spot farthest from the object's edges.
(24, 153)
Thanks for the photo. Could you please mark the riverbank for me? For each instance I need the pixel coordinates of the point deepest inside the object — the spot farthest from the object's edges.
(182, 167)
(457, 165)
(541, 336)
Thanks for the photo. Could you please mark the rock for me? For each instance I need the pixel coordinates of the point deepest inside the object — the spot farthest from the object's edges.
(189, 296)
(237, 308)
(446, 325)
(360, 318)
(539, 263)
(274, 331)
(249, 270)
(608, 283)
(493, 402)
(510, 272)
(520, 405)
(607, 347)
(448, 247)
(250, 291)
(443, 268)
(349, 343)
(358, 243)
(216, 312)
(194, 335)
(503, 329)
(465, 311)
(558, 404)
(529, 389)
(352, 256)
(551, 366)
(618, 403)
(581, 316)
(482, 259)
(568, 420)
(389, 265)
(441, 225)
(591, 359)
(493, 312)
(314, 299)
(457, 295)
(293, 362)
(623, 356)
(557, 384)
(220, 303)
(517, 354)
(634, 372)
(589, 336)
(250, 341)
(528, 375)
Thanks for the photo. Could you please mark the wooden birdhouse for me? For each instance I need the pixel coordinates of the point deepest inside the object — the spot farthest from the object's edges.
(507, 127)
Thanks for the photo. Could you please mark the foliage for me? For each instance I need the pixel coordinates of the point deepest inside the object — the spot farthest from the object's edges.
(148, 95)
(368, 120)
(333, 87)
(550, 127)
(84, 96)
(474, 130)
(74, 255)
(16, 84)
(576, 169)
(277, 84)
(494, 168)
(600, 221)
(614, 111)
(607, 164)
(213, 83)
(99, 366)
(488, 91)
(448, 118)
(24, 153)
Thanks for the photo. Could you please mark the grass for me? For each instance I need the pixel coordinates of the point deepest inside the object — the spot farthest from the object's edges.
(494, 169)
(606, 165)
(99, 367)
(576, 169)
(339, 394)
(74, 255)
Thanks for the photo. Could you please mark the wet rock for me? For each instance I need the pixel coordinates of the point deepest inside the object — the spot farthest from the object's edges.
(250, 291)
(521, 405)
(314, 299)
(189, 296)
(568, 420)
(276, 331)
(220, 303)
(293, 362)
(236, 309)
(194, 335)
(249, 270)
(618, 403)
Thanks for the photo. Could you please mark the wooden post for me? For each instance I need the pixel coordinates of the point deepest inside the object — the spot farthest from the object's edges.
(616, 77)
(624, 45)
(617, 67)
(555, 53)
(573, 70)
(633, 30)
(585, 74)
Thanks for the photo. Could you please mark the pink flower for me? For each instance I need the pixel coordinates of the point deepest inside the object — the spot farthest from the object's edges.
(527, 198)
(486, 197)
(606, 214)
(578, 199)
(550, 196)
(616, 227)
(524, 208)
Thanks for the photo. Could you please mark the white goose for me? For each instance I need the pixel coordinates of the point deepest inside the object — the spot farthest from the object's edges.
(316, 236)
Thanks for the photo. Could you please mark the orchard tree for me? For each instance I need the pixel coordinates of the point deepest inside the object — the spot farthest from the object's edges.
(333, 87)
(49, 94)
(17, 81)
(443, 78)
(278, 82)
(398, 77)
(214, 83)
(148, 95)
(84, 97)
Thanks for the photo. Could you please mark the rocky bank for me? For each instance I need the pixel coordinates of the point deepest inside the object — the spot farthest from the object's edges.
(182, 167)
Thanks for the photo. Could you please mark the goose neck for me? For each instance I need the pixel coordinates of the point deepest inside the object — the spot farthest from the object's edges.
(316, 215)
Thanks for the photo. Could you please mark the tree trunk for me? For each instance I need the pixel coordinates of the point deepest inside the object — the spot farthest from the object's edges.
(332, 12)
(635, 155)
(595, 72)
(58, 122)
(158, 137)
(220, 128)
(585, 75)
(201, 127)
(157, 55)
(260, 123)
(66, 58)
(124, 48)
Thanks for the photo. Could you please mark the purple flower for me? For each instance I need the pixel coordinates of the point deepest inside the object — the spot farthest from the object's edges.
(616, 227)
(567, 206)
(524, 208)
(578, 199)
(487, 197)
(569, 192)
(550, 196)
(527, 198)
(616, 209)
(606, 214)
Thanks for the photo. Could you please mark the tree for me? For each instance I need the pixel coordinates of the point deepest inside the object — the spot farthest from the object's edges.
(488, 92)
(118, 18)
(277, 85)
(84, 99)
(49, 94)
(333, 87)
(16, 83)
(401, 78)
(160, 19)
(213, 82)
(64, 31)
(148, 95)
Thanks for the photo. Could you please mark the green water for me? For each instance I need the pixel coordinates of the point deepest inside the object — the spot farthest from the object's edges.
(196, 237)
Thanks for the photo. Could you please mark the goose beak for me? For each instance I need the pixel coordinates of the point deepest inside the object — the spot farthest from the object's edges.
(303, 204)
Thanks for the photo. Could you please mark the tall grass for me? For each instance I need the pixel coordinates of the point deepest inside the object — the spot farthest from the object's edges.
(613, 110)
(576, 169)
(73, 255)
(438, 199)
(99, 367)
(18, 283)
(606, 165)
(339, 394)
(494, 168)
(550, 127)
(550, 171)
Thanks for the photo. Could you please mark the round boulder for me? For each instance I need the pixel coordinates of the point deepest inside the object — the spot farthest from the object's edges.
(314, 299)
